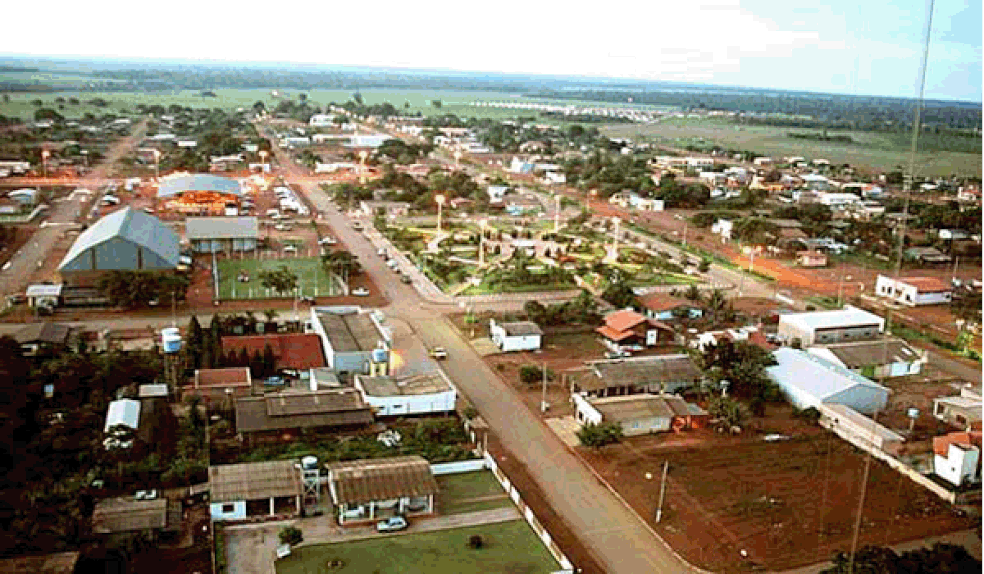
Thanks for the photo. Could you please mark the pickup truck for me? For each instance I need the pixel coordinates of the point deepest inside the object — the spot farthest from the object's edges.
(439, 353)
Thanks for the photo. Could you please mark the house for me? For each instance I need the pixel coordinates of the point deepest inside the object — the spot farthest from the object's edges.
(39, 339)
(289, 412)
(957, 457)
(962, 410)
(810, 381)
(217, 385)
(298, 351)
(663, 307)
(388, 209)
(237, 491)
(44, 295)
(496, 193)
(125, 240)
(367, 140)
(322, 120)
(859, 429)
(701, 341)
(888, 357)
(122, 422)
(811, 259)
(125, 516)
(927, 255)
(555, 177)
(639, 414)
(364, 490)
(824, 327)
(349, 336)
(628, 330)
(516, 336)
(57, 563)
(222, 234)
(914, 291)
(762, 161)
(428, 393)
(724, 228)
(654, 374)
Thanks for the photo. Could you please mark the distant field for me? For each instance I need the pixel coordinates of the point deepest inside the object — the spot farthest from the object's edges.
(882, 152)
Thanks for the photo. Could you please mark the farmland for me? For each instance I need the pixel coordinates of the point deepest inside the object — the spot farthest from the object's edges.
(875, 151)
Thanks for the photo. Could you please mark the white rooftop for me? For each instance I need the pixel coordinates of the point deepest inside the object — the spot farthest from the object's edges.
(124, 412)
(814, 375)
(838, 318)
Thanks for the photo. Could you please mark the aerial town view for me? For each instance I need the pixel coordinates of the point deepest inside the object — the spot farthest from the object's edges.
(497, 290)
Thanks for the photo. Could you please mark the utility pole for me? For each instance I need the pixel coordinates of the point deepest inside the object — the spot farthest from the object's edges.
(662, 492)
(543, 395)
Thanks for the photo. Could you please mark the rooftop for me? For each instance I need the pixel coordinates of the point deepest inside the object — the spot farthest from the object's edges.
(178, 184)
(425, 384)
(44, 290)
(124, 412)
(870, 426)
(361, 481)
(228, 377)
(125, 514)
(350, 332)
(658, 301)
(132, 225)
(623, 320)
(941, 444)
(58, 563)
(521, 328)
(814, 375)
(861, 354)
(847, 317)
(292, 351)
(308, 409)
(637, 371)
(254, 480)
(52, 333)
(927, 284)
(221, 227)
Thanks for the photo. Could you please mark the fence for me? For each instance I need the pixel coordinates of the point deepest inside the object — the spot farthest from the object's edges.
(458, 467)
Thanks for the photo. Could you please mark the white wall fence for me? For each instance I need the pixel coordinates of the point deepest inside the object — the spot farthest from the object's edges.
(920, 479)
(458, 467)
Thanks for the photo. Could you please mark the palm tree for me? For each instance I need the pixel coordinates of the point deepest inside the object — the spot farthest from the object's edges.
(716, 303)
(693, 293)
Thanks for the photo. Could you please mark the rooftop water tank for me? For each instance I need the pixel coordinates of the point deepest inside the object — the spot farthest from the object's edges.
(380, 356)
(171, 339)
(309, 462)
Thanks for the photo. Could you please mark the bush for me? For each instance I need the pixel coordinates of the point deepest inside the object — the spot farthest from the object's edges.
(598, 436)
(530, 374)
(291, 535)
(475, 542)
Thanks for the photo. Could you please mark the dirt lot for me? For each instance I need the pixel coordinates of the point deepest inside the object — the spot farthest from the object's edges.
(786, 504)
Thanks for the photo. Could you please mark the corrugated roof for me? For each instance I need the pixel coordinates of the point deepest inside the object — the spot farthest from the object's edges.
(861, 354)
(59, 563)
(309, 403)
(253, 480)
(125, 514)
(639, 372)
(123, 412)
(179, 184)
(350, 332)
(927, 284)
(521, 328)
(221, 228)
(44, 290)
(132, 225)
(815, 376)
(847, 317)
(53, 333)
(870, 427)
(425, 384)
(632, 407)
(257, 414)
(362, 481)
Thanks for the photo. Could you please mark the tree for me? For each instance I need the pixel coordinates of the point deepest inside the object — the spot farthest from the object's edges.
(530, 374)
(743, 366)
(291, 535)
(727, 409)
(941, 558)
(196, 339)
(437, 104)
(269, 361)
(597, 436)
(256, 365)
(475, 542)
(619, 294)
(692, 293)
(535, 311)
(282, 280)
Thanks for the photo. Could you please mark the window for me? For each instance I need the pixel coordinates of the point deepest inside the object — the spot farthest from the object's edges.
(228, 508)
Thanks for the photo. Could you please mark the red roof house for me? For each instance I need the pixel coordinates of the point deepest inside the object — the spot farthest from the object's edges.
(628, 328)
(293, 351)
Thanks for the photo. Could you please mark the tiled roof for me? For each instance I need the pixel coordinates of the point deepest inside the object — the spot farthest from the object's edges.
(124, 514)
(361, 481)
(623, 320)
(927, 284)
(227, 377)
(253, 480)
(293, 351)
(612, 334)
(350, 332)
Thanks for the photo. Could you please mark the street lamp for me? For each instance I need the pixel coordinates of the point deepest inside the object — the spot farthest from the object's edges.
(45, 154)
(685, 223)
(440, 204)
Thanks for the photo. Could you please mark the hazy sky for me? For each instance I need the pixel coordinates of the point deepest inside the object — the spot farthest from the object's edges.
(844, 46)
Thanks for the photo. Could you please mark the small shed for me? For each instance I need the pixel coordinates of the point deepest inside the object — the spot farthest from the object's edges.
(811, 259)
(373, 488)
(516, 336)
(126, 515)
(254, 488)
(44, 295)
(639, 414)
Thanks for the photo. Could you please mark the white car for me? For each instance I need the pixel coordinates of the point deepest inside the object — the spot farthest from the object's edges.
(290, 249)
(391, 524)
(360, 292)
(328, 241)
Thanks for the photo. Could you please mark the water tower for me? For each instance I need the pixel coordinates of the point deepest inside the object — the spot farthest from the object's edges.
(311, 480)
(171, 340)
(379, 367)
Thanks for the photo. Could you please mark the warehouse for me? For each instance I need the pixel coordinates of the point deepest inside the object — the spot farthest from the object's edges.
(200, 194)
(125, 240)
(810, 381)
(825, 327)
(222, 234)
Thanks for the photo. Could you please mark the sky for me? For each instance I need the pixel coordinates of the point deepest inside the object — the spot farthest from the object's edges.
(841, 46)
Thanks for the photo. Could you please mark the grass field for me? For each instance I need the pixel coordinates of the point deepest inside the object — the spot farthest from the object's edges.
(876, 151)
(312, 279)
(469, 492)
(509, 548)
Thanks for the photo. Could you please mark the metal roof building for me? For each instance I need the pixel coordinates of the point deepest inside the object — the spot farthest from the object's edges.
(221, 228)
(809, 381)
(360, 487)
(176, 185)
(124, 412)
(126, 239)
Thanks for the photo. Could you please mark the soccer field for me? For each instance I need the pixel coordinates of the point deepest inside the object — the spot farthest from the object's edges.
(312, 279)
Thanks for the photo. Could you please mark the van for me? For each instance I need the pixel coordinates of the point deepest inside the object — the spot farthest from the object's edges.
(272, 212)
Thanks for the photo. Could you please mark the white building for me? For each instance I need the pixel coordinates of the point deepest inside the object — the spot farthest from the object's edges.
(826, 327)
(858, 429)
(913, 291)
(700, 162)
(518, 336)
(322, 120)
(956, 457)
(555, 177)
(371, 140)
(122, 420)
(887, 357)
(809, 381)
(723, 227)
(429, 393)
(496, 193)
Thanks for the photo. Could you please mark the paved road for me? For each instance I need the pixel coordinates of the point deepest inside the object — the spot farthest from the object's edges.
(61, 216)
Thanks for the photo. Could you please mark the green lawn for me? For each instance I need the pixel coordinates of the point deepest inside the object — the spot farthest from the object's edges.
(312, 278)
(509, 548)
(469, 492)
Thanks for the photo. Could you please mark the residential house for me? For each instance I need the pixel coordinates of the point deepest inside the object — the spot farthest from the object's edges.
(289, 412)
(515, 336)
(927, 255)
(42, 339)
(811, 259)
(653, 374)
(388, 209)
(424, 394)
(824, 327)
(296, 351)
(888, 357)
(217, 385)
(238, 491)
(124, 516)
(364, 490)
(914, 291)
(810, 381)
(667, 308)
(349, 336)
(639, 414)
(962, 410)
(628, 330)
(957, 457)
(222, 234)
(724, 228)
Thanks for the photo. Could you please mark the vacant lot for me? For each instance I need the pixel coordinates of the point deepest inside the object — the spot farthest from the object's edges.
(469, 492)
(508, 548)
(786, 504)
(882, 152)
(312, 279)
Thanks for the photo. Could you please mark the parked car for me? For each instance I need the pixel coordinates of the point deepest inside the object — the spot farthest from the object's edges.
(290, 249)
(392, 524)
(360, 292)
(617, 354)
(146, 495)
(405, 279)
(328, 241)
(357, 225)
(439, 353)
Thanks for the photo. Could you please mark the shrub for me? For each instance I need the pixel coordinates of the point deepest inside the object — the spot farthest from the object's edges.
(475, 542)
(530, 374)
(597, 436)
(291, 535)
